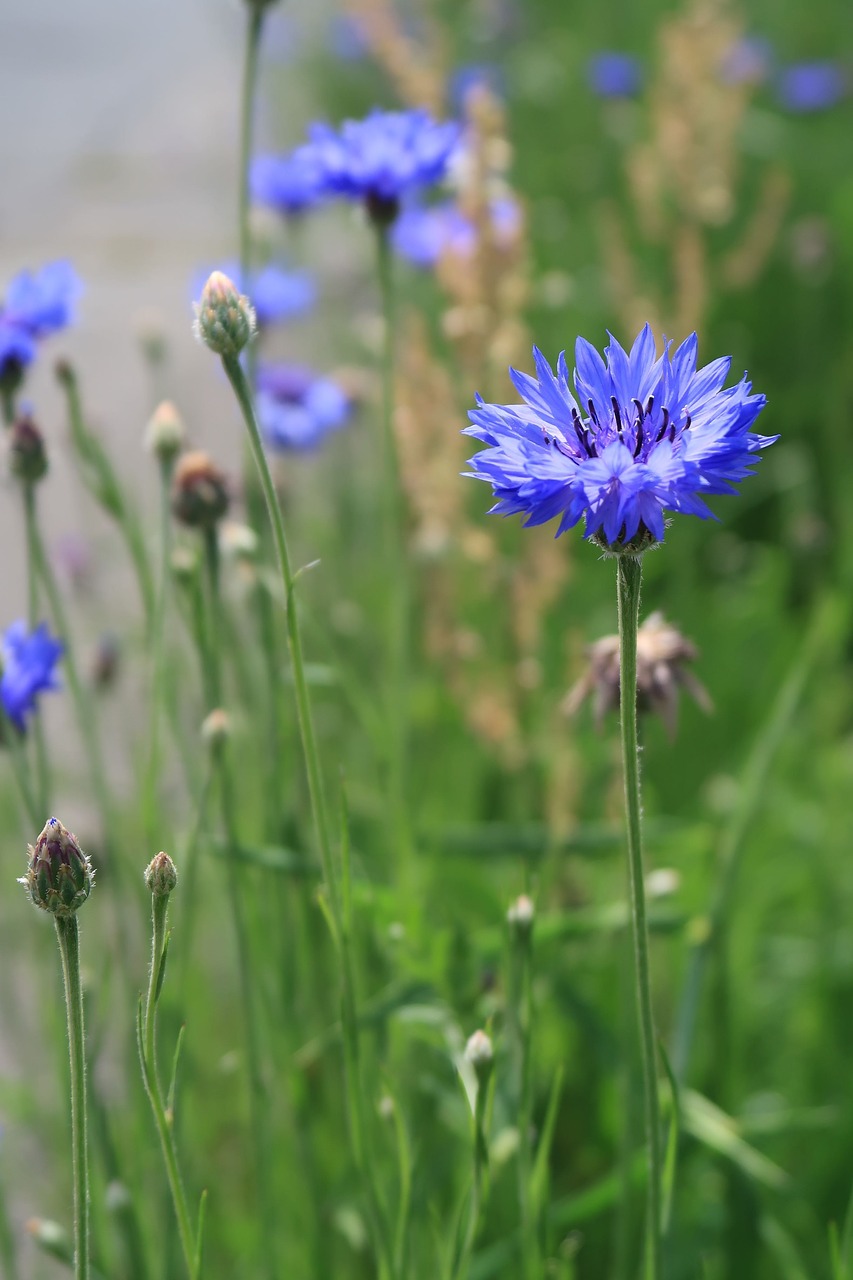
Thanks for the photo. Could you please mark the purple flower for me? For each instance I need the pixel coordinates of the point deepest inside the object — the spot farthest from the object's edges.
(812, 86)
(297, 408)
(640, 436)
(748, 61)
(275, 294)
(481, 75)
(37, 303)
(614, 75)
(422, 234)
(290, 184)
(382, 158)
(27, 661)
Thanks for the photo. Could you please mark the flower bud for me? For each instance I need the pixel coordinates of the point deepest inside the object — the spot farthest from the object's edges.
(479, 1053)
(238, 542)
(161, 876)
(224, 319)
(520, 916)
(199, 491)
(216, 728)
(165, 433)
(59, 878)
(27, 455)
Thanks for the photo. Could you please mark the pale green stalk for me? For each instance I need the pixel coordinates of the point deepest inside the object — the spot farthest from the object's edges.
(247, 122)
(42, 769)
(629, 577)
(520, 1014)
(163, 1119)
(476, 1203)
(158, 634)
(68, 934)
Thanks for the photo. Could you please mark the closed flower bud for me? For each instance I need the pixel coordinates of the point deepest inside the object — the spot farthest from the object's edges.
(161, 876)
(216, 728)
(520, 916)
(224, 318)
(479, 1053)
(165, 433)
(199, 491)
(27, 455)
(59, 878)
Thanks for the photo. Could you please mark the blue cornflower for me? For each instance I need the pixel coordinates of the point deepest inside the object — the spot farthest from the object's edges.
(382, 158)
(275, 294)
(290, 184)
(614, 75)
(37, 303)
(642, 435)
(812, 86)
(298, 408)
(27, 662)
(422, 233)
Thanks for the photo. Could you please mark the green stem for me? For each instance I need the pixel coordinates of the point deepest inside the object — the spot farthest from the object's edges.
(521, 1017)
(397, 575)
(7, 404)
(477, 1202)
(150, 814)
(247, 121)
(629, 577)
(69, 947)
(294, 638)
(148, 1055)
(42, 770)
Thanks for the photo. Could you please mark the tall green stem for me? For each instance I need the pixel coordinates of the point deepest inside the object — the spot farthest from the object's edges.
(629, 577)
(303, 699)
(42, 774)
(157, 656)
(148, 1055)
(247, 121)
(69, 946)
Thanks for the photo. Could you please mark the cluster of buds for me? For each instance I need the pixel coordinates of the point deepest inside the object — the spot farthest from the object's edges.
(224, 318)
(199, 491)
(27, 454)
(59, 877)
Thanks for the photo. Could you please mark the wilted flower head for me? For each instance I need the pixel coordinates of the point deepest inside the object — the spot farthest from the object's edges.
(27, 454)
(423, 234)
(224, 318)
(640, 436)
(662, 657)
(290, 184)
(59, 877)
(276, 294)
(382, 158)
(805, 87)
(27, 667)
(36, 304)
(297, 409)
(199, 491)
(613, 74)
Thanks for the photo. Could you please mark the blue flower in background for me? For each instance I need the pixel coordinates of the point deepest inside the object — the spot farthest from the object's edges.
(381, 158)
(614, 75)
(297, 408)
(348, 38)
(748, 61)
(478, 75)
(37, 303)
(422, 233)
(290, 184)
(812, 86)
(27, 662)
(276, 294)
(642, 435)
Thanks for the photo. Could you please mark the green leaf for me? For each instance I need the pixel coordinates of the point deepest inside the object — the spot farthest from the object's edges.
(718, 1131)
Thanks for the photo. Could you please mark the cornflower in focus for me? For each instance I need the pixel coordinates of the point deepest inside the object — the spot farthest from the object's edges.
(36, 304)
(276, 294)
(662, 657)
(27, 668)
(298, 408)
(645, 435)
(614, 75)
(382, 158)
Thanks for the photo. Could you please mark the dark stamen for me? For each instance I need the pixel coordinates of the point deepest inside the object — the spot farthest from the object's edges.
(615, 404)
(650, 404)
(672, 433)
(640, 411)
(581, 433)
(688, 422)
(638, 446)
(662, 432)
(592, 413)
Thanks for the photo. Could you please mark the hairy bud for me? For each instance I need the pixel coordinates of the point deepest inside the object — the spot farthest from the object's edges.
(224, 318)
(161, 875)
(59, 877)
(165, 433)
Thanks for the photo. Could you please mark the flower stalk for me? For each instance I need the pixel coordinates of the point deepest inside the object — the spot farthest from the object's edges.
(629, 578)
(68, 936)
